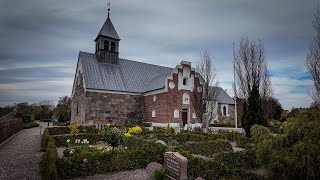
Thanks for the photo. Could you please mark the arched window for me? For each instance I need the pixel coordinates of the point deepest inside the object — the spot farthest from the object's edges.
(224, 111)
(184, 81)
(113, 47)
(77, 109)
(106, 45)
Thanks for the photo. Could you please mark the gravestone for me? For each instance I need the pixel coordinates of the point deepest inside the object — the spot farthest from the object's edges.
(175, 165)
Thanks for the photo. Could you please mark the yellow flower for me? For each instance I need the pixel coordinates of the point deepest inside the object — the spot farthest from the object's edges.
(127, 134)
(135, 130)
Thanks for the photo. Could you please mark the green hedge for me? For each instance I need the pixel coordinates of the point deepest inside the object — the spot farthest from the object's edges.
(242, 140)
(58, 130)
(61, 140)
(9, 126)
(66, 130)
(206, 148)
(244, 159)
(31, 124)
(101, 163)
(48, 162)
(44, 139)
(214, 169)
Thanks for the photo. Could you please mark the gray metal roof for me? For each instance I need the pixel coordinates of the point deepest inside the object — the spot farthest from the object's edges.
(108, 30)
(223, 97)
(127, 76)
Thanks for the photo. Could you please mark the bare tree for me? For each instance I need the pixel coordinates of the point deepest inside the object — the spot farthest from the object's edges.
(313, 60)
(204, 100)
(251, 68)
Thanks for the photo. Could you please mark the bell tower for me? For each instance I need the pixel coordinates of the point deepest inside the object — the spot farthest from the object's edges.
(107, 42)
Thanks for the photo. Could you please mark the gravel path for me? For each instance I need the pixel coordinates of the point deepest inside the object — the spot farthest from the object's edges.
(138, 174)
(20, 157)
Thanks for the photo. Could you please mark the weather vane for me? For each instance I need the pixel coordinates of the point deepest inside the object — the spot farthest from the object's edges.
(108, 5)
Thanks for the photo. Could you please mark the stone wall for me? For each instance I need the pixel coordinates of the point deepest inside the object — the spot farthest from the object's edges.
(103, 108)
(78, 101)
(228, 119)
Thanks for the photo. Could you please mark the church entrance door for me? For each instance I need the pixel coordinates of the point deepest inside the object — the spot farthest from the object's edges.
(185, 116)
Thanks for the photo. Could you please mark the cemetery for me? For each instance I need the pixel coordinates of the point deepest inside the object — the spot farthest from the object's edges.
(73, 151)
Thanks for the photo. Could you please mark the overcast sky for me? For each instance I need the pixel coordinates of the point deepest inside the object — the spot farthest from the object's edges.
(40, 40)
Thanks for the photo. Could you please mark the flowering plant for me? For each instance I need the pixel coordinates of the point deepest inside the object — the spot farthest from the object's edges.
(135, 130)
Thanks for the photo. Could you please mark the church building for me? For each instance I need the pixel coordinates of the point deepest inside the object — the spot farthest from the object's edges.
(110, 89)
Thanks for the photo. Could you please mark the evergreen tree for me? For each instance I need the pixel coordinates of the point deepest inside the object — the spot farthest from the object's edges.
(253, 112)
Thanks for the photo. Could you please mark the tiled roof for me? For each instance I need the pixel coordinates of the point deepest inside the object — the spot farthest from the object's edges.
(108, 30)
(127, 76)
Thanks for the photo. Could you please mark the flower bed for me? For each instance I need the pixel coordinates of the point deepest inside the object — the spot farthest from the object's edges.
(105, 162)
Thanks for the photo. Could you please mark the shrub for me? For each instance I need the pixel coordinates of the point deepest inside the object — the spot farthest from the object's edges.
(295, 154)
(74, 127)
(206, 148)
(8, 127)
(221, 125)
(207, 169)
(145, 124)
(48, 162)
(61, 140)
(66, 130)
(242, 141)
(135, 130)
(244, 159)
(44, 139)
(112, 136)
(58, 130)
(111, 161)
(160, 175)
(31, 124)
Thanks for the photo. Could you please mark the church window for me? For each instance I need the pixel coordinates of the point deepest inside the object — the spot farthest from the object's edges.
(224, 111)
(106, 45)
(113, 47)
(184, 81)
(153, 113)
(77, 109)
(154, 98)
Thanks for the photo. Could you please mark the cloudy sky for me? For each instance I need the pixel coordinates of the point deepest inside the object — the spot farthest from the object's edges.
(40, 40)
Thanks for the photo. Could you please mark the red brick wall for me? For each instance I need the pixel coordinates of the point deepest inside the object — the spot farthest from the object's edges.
(169, 101)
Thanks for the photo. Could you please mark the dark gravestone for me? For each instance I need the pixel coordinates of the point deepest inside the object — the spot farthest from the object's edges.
(175, 165)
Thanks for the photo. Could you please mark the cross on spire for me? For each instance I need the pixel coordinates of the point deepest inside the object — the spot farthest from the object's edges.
(108, 5)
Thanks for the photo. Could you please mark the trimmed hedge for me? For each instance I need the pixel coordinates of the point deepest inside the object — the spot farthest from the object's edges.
(61, 140)
(244, 159)
(44, 139)
(242, 140)
(105, 162)
(48, 162)
(58, 130)
(66, 130)
(214, 169)
(206, 148)
(9, 126)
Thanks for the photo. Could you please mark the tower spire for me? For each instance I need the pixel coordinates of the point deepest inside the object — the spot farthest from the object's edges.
(108, 8)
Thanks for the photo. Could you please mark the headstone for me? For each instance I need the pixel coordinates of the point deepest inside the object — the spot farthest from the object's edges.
(161, 142)
(175, 165)
(153, 166)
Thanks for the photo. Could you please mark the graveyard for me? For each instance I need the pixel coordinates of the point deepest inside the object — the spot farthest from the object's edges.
(72, 152)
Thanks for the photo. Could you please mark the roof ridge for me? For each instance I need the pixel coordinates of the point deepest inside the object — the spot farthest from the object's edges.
(147, 63)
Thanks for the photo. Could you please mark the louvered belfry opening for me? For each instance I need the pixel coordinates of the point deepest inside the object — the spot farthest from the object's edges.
(107, 43)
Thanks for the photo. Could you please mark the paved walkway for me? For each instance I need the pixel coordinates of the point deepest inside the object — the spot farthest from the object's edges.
(20, 157)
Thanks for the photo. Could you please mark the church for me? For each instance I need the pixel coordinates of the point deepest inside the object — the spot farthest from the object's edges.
(110, 89)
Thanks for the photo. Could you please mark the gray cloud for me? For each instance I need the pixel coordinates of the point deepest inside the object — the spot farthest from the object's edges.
(43, 34)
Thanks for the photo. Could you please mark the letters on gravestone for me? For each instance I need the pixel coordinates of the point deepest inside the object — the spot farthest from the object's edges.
(175, 165)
